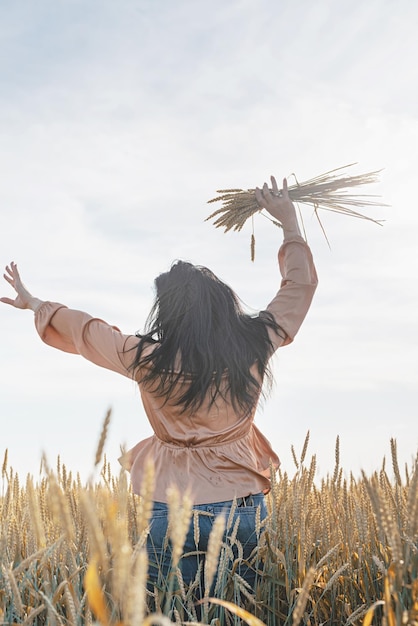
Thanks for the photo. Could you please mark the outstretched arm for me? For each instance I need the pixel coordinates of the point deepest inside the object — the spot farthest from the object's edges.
(24, 299)
(74, 331)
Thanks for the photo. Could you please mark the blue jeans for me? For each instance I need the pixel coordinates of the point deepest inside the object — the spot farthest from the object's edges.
(159, 549)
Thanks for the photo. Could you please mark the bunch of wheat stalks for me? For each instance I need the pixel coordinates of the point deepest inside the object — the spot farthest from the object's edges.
(327, 191)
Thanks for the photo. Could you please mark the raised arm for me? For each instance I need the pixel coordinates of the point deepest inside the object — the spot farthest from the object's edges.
(299, 279)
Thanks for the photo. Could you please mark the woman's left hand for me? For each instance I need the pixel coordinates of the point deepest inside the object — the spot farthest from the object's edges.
(279, 205)
(24, 299)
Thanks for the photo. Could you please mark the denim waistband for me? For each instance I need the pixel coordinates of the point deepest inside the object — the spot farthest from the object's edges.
(252, 500)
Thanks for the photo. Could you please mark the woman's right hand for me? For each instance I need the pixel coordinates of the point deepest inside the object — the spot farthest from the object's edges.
(24, 299)
(278, 204)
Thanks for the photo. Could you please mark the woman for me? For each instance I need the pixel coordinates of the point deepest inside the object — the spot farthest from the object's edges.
(200, 368)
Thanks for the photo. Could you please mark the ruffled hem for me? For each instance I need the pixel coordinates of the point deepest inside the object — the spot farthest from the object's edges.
(209, 473)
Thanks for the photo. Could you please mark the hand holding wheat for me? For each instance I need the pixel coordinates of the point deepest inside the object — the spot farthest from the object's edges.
(279, 205)
(328, 192)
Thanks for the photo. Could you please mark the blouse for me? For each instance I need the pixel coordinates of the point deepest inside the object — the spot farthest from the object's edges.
(216, 453)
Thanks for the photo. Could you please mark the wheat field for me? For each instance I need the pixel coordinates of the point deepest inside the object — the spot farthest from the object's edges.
(338, 551)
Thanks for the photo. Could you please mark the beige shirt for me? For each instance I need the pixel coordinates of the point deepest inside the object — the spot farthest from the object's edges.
(215, 452)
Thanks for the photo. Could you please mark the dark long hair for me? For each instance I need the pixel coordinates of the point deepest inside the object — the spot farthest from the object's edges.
(202, 339)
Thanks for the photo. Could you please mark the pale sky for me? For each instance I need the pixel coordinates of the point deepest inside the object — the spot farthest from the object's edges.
(119, 120)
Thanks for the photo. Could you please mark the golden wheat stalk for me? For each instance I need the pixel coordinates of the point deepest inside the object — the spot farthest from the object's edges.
(103, 436)
(303, 597)
(214, 547)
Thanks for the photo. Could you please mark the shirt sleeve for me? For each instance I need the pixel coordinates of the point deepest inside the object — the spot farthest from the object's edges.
(299, 281)
(77, 332)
